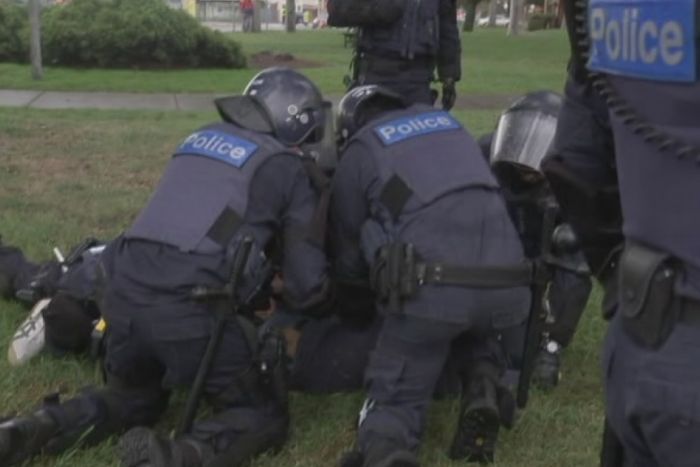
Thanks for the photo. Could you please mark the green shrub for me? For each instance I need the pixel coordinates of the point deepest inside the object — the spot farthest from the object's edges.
(541, 21)
(133, 34)
(14, 33)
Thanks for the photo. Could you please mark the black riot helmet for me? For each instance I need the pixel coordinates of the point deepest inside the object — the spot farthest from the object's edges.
(281, 102)
(362, 104)
(525, 133)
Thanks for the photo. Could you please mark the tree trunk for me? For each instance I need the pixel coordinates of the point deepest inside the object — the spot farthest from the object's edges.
(257, 7)
(470, 15)
(291, 16)
(493, 11)
(515, 13)
(35, 39)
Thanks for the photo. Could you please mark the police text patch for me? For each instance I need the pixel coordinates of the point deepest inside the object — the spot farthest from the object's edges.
(223, 147)
(649, 39)
(395, 131)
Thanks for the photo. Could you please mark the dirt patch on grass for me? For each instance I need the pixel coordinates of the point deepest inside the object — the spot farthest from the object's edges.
(269, 58)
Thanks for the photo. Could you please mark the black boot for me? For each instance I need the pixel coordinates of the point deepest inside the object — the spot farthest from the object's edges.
(25, 437)
(546, 374)
(386, 453)
(143, 447)
(479, 421)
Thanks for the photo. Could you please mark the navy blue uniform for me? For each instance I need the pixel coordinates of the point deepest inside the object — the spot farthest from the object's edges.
(652, 379)
(402, 56)
(453, 214)
(223, 182)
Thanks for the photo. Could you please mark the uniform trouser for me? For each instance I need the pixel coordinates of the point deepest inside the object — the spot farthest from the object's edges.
(409, 79)
(401, 377)
(568, 296)
(653, 396)
(141, 370)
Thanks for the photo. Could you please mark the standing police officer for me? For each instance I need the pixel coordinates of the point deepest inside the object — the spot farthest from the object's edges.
(417, 214)
(643, 57)
(400, 43)
(243, 177)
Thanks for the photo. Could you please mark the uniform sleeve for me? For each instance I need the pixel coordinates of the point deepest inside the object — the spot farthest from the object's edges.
(449, 61)
(304, 262)
(349, 210)
(283, 203)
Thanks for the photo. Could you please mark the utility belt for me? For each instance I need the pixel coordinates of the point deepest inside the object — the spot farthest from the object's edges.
(390, 64)
(397, 273)
(648, 301)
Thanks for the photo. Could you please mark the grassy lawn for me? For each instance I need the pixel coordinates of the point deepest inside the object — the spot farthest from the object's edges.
(492, 63)
(68, 174)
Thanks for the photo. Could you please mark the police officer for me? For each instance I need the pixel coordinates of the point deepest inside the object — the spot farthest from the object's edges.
(652, 90)
(417, 214)
(523, 137)
(401, 43)
(240, 178)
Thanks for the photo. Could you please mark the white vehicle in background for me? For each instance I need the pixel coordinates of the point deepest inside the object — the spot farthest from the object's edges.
(501, 21)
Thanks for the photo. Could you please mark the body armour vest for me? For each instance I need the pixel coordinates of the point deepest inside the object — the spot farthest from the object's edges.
(653, 75)
(203, 195)
(426, 151)
(416, 33)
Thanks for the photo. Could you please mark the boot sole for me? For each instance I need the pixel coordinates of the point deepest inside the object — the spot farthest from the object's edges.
(476, 436)
(135, 448)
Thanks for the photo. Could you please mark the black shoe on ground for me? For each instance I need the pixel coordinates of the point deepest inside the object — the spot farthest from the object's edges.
(25, 437)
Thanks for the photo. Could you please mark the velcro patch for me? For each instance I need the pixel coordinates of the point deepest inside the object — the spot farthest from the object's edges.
(398, 130)
(223, 147)
(648, 39)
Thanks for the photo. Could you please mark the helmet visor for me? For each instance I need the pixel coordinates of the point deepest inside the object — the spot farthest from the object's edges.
(524, 138)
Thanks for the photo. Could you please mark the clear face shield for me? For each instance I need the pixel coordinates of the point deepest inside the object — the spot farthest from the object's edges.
(523, 137)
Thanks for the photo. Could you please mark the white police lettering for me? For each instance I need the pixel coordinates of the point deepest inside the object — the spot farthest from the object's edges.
(651, 39)
(398, 130)
(217, 145)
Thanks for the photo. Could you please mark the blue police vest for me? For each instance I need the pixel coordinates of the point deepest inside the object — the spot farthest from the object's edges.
(418, 144)
(649, 51)
(415, 34)
(203, 193)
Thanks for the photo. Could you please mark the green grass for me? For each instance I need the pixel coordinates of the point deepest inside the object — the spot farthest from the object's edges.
(68, 174)
(492, 64)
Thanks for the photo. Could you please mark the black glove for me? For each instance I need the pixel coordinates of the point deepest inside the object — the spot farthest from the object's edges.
(449, 93)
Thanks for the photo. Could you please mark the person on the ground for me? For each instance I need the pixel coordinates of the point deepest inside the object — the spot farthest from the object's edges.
(229, 183)
(400, 45)
(418, 221)
(627, 178)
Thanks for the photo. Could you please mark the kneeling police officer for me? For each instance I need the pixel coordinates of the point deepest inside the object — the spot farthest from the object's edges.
(233, 184)
(524, 136)
(417, 215)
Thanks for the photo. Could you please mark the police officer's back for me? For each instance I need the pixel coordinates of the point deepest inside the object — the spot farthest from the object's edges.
(401, 43)
(651, 86)
(239, 178)
(414, 207)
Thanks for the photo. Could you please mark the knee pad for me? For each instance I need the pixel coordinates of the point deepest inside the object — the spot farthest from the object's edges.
(68, 323)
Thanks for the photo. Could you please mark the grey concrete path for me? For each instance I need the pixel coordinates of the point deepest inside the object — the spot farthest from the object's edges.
(166, 101)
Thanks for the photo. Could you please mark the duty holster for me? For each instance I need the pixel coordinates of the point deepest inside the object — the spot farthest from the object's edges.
(393, 274)
(646, 294)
